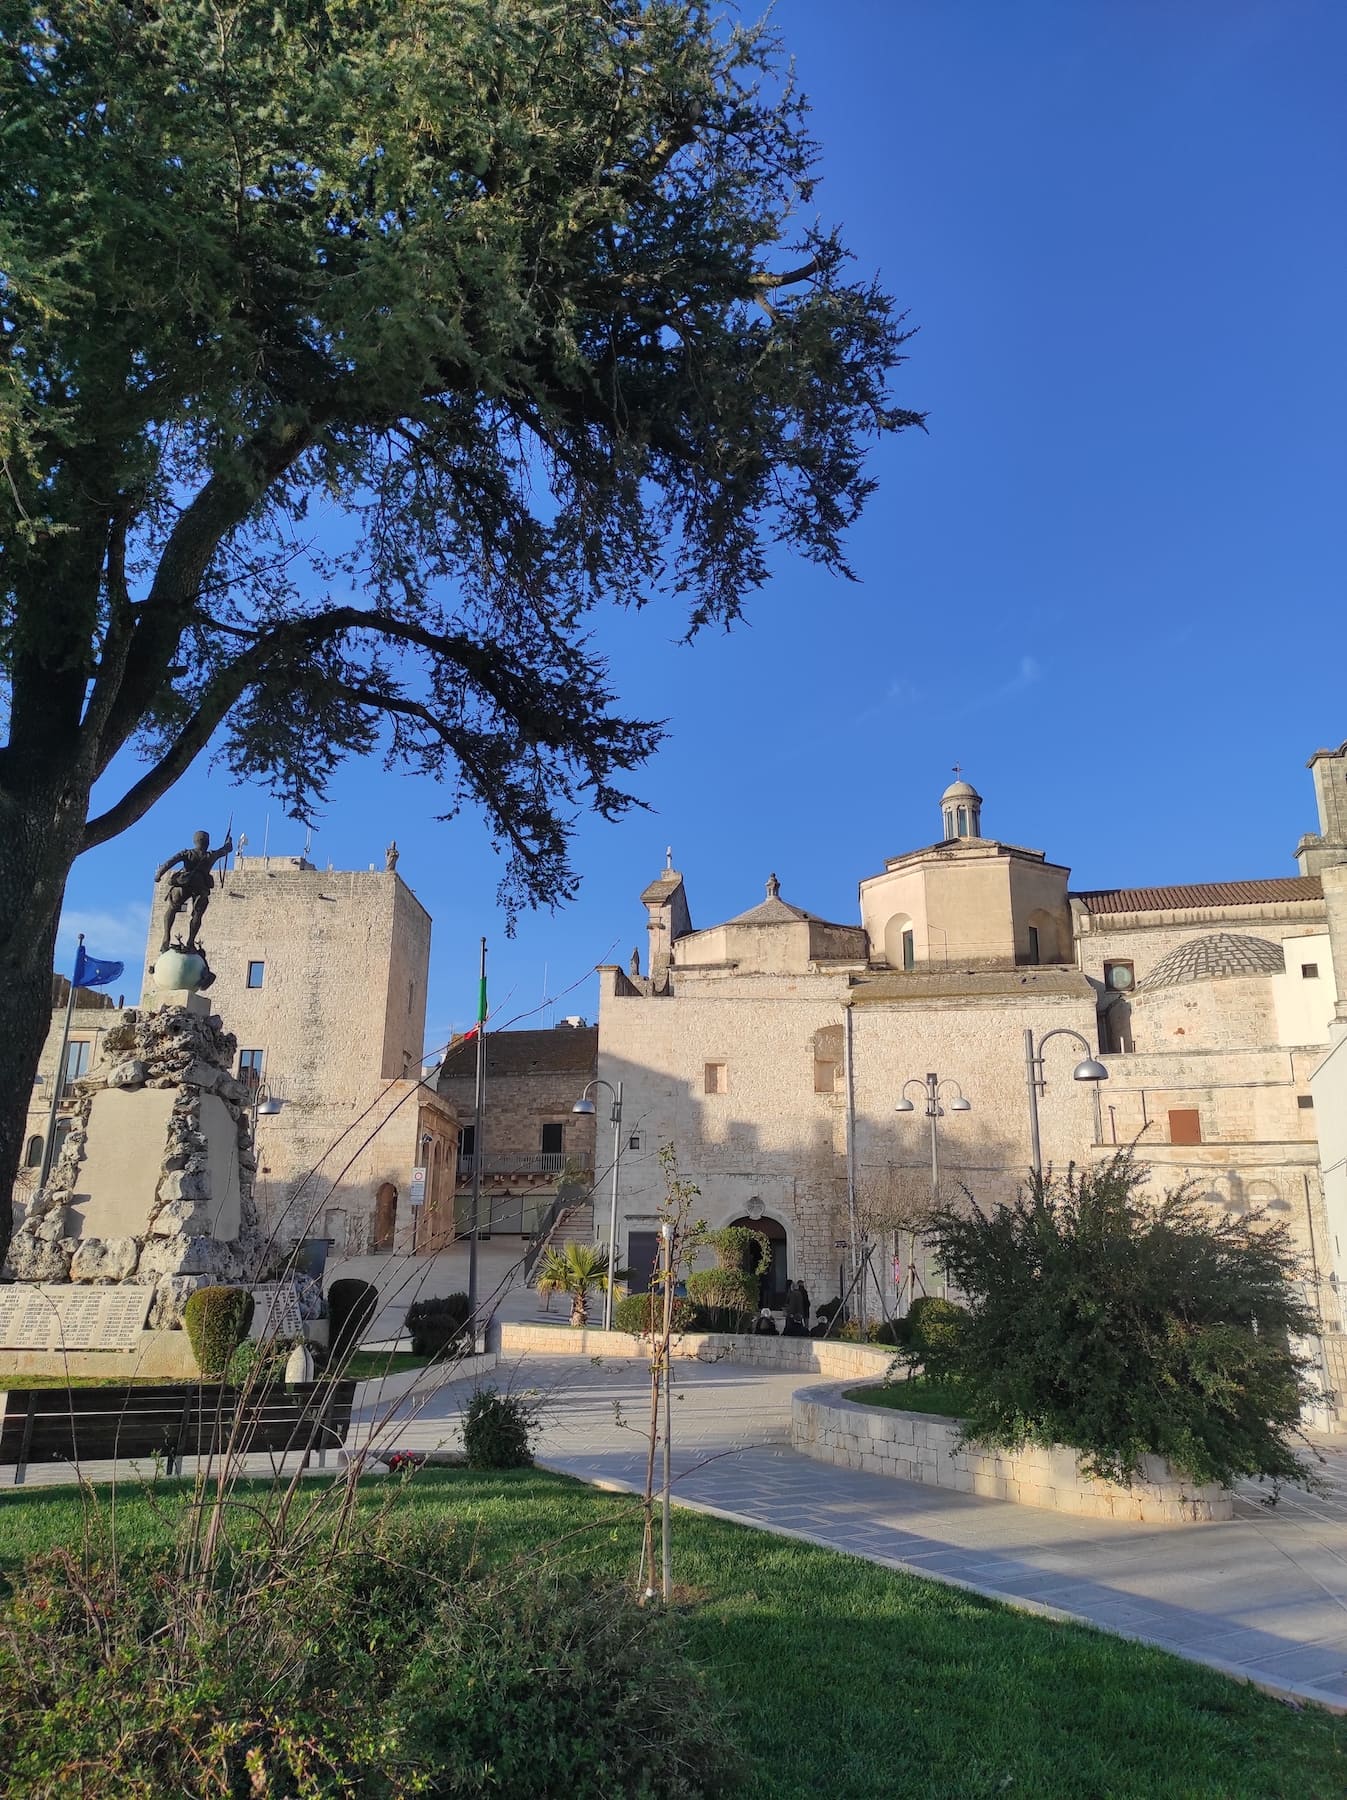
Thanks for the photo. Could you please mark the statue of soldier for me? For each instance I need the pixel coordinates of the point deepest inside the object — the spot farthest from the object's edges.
(192, 882)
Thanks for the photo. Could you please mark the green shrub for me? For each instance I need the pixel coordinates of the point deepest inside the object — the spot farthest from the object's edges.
(892, 1331)
(216, 1320)
(722, 1293)
(643, 1314)
(351, 1305)
(498, 1430)
(1125, 1328)
(401, 1669)
(723, 1318)
(933, 1326)
(434, 1324)
(261, 1361)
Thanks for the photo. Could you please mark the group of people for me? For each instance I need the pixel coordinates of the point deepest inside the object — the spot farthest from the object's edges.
(796, 1308)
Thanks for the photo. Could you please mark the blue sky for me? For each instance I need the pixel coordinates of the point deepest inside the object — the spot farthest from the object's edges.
(1109, 579)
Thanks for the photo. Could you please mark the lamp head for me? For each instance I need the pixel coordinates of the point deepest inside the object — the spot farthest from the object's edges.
(904, 1105)
(961, 1105)
(269, 1107)
(585, 1106)
(1089, 1070)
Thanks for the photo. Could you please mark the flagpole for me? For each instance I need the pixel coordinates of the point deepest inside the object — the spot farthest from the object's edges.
(479, 1097)
(58, 1080)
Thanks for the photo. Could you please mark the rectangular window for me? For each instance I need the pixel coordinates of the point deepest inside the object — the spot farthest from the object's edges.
(1185, 1125)
(1305, 1102)
(1309, 971)
(467, 1140)
(76, 1059)
(552, 1140)
(909, 950)
(634, 1141)
(717, 1078)
(250, 1067)
(827, 1076)
(256, 970)
(411, 989)
(1033, 943)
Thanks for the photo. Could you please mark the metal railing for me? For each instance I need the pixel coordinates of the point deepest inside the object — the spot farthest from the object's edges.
(542, 1162)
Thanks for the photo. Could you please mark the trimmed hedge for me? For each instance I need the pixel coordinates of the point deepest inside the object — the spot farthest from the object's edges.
(351, 1305)
(216, 1320)
(434, 1324)
(643, 1314)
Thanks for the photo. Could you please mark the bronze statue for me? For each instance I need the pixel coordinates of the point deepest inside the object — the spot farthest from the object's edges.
(192, 882)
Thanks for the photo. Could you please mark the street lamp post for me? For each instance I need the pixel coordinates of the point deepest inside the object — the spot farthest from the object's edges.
(1090, 1069)
(586, 1108)
(265, 1105)
(931, 1090)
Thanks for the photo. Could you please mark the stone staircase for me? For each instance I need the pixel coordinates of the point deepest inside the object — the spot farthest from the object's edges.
(575, 1226)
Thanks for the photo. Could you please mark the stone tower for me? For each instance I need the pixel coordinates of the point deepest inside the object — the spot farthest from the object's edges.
(961, 810)
(668, 919)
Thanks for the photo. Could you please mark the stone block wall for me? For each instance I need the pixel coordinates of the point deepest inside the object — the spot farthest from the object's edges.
(928, 1448)
(810, 1356)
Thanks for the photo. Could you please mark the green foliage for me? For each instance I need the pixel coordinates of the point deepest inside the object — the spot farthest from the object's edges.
(351, 1306)
(434, 1324)
(1126, 1328)
(498, 1430)
(216, 1320)
(577, 1270)
(643, 1314)
(933, 1325)
(892, 1331)
(740, 1247)
(725, 1295)
(259, 1361)
(598, 1724)
(392, 1672)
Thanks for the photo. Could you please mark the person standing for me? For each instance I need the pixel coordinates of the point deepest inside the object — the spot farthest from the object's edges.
(802, 1302)
(792, 1301)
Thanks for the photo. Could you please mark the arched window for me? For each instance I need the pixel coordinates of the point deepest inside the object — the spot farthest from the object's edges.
(963, 821)
(900, 942)
(33, 1155)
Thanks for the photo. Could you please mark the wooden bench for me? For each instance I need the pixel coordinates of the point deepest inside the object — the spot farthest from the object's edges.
(79, 1425)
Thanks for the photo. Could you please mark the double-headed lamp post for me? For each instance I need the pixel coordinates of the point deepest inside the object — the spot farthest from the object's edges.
(585, 1106)
(1091, 1070)
(932, 1092)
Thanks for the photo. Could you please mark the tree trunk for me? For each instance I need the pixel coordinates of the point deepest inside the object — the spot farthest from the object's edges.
(39, 840)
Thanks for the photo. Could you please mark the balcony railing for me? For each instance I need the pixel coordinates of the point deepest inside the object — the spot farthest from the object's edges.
(541, 1162)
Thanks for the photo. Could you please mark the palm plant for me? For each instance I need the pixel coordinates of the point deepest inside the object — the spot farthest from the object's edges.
(577, 1270)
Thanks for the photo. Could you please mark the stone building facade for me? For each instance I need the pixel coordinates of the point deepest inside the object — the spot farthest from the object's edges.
(772, 1049)
(533, 1140)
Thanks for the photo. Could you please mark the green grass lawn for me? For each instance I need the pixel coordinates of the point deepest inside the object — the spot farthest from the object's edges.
(916, 1395)
(370, 1365)
(851, 1681)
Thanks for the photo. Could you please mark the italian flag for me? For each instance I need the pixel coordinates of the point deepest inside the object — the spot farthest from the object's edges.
(476, 1030)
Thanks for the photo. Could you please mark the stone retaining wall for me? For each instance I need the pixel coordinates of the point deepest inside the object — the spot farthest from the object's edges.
(808, 1356)
(926, 1447)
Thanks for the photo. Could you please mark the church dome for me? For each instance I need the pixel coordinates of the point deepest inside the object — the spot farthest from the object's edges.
(961, 790)
(1210, 958)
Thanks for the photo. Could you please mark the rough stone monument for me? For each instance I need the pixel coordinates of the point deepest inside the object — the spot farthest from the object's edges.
(153, 1189)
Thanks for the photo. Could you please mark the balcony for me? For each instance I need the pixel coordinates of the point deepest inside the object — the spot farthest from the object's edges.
(548, 1163)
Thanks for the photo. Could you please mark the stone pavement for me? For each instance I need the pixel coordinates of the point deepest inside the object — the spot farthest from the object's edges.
(1263, 1597)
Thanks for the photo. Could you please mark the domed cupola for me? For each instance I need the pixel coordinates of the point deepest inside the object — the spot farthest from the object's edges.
(961, 809)
(1217, 956)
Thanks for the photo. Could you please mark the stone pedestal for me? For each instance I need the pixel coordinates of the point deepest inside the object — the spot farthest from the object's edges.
(154, 1183)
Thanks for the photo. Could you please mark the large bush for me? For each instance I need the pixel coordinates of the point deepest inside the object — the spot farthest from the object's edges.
(1126, 1327)
(351, 1306)
(389, 1670)
(724, 1296)
(433, 1325)
(216, 1320)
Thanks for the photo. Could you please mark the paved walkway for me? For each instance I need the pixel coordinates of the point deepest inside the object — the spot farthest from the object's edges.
(1264, 1596)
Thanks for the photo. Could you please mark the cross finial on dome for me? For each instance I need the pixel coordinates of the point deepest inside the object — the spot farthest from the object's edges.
(773, 887)
(668, 856)
(958, 768)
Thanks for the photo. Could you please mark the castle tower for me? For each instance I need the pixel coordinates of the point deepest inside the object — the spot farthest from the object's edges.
(668, 919)
(961, 810)
(1322, 849)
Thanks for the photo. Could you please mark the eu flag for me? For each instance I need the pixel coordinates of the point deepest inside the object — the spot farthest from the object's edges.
(92, 974)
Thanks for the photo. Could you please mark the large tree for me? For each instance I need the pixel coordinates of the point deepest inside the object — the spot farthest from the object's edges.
(351, 352)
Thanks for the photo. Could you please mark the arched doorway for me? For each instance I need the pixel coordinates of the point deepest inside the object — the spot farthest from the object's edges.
(772, 1284)
(385, 1216)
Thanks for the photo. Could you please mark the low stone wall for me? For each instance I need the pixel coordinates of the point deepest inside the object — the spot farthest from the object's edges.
(808, 1356)
(153, 1355)
(926, 1447)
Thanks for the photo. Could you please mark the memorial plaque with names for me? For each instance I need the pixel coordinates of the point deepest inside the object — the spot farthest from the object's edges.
(35, 1317)
(276, 1311)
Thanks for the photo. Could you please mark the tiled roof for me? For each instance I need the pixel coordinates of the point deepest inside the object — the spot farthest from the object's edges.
(1277, 890)
(561, 1050)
